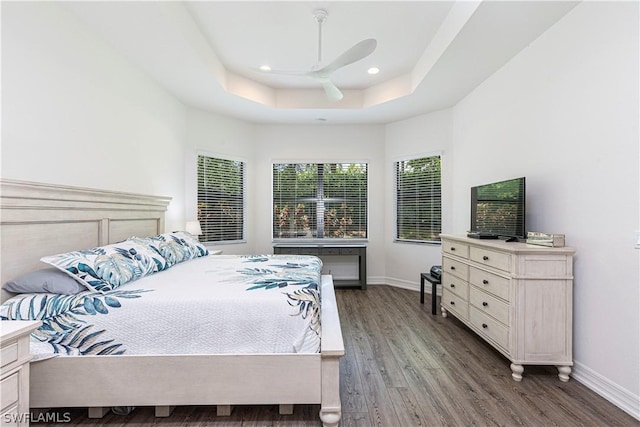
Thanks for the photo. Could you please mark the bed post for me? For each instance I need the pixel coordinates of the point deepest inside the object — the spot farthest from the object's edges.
(332, 350)
(331, 408)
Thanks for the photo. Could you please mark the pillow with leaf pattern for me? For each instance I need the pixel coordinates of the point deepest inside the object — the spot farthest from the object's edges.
(106, 268)
(175, 247)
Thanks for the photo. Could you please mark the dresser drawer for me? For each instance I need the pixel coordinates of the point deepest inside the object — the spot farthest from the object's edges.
(498, 260)
(455, 248)
(490, 305)
(9, 354)
(10, 416)
(10, 388)
(454, 303)
(489, 327)
(456, 268)
(456, 285)
(491, 283)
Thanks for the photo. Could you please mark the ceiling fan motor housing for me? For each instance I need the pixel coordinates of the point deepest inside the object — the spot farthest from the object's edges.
(320, 15)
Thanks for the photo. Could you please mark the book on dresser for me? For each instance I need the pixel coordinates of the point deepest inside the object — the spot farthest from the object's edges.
(517, 297)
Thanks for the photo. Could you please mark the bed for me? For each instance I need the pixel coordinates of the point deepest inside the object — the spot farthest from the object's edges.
(40, 219)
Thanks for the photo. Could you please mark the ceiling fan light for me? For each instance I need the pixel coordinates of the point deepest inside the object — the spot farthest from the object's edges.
(265, 68)
(373, 70)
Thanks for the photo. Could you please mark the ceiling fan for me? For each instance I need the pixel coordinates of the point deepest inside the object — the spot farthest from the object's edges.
(323, 74)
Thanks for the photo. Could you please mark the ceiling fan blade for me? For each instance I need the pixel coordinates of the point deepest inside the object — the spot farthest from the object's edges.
(332, 91)
(359, 51)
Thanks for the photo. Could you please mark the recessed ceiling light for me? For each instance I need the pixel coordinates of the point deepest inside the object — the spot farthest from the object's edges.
(321, 119)
(265, 68)
(373, 70)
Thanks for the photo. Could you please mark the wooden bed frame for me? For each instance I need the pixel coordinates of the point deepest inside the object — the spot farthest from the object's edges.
(41, 219)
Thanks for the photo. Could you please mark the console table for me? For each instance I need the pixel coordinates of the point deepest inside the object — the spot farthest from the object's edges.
(334, 250)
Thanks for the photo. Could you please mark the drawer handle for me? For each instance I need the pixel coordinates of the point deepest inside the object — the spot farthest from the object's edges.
(485, 258)
(484, 326)
(485, 282)
(484, 303)
(452, 267)
(452, 285)
(453, 248)
(453, 303)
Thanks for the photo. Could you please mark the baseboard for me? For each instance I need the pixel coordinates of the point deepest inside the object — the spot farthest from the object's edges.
(611, 391)
(397, 283)
(403, 284)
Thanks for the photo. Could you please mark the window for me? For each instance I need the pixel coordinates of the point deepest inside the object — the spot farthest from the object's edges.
(418, 199)
(221, 204)
(319, 200)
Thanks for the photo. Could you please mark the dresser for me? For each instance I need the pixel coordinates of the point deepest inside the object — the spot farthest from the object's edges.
(517, 297)
(14, 358)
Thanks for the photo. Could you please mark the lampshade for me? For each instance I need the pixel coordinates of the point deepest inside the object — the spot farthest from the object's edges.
(193, 227)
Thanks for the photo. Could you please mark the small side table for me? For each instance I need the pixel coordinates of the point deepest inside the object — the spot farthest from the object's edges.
(434, 287)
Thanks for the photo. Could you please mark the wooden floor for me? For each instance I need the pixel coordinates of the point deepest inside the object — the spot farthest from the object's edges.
(407, 367)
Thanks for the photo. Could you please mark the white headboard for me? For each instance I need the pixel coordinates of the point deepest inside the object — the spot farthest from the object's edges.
(42, 219)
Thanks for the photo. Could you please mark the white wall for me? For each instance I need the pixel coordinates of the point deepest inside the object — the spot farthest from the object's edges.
(564, 113)
(319, 143)
(76, 113)
(424, 135)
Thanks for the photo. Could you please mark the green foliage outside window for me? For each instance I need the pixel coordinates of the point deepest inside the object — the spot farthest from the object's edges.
(320, 200)
(220, 199)
(418, 199)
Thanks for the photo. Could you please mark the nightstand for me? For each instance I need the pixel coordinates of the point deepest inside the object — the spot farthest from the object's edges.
(14, 359)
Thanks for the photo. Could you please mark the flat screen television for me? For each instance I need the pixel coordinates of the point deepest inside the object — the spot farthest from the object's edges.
(498, 210)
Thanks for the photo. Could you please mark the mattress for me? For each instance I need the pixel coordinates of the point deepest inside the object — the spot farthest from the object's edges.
(215, 304)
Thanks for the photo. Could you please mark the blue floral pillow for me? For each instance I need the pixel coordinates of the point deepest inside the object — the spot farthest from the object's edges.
(106, 268)
(175, 247)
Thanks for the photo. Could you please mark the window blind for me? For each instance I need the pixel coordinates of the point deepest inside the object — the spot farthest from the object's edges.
(221, 201)
(418, 199)
(319, 200)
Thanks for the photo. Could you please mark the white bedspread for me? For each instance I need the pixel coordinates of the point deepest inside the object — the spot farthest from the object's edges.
(210, 305)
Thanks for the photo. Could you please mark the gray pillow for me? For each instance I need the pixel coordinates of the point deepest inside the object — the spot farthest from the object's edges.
(50, 280)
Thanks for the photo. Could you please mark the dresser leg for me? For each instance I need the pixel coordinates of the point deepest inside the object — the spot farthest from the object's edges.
(516, 372)
(563, 373)
(444, 312)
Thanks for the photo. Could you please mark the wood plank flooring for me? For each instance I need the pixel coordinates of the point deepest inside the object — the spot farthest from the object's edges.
(407, 367)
